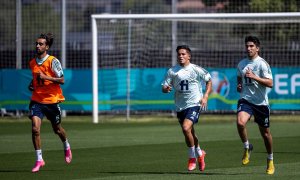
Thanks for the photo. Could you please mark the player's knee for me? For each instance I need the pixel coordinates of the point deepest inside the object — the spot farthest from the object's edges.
(240, 122)
(266, 135)
(57, 131)
(186, 129)
(35, 131)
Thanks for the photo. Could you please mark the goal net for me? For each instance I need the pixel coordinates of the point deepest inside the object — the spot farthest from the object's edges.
(131, 52)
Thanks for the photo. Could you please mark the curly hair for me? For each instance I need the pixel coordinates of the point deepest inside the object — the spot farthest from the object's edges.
(48, 37)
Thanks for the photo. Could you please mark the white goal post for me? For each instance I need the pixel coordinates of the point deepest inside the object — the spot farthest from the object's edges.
(235, 17)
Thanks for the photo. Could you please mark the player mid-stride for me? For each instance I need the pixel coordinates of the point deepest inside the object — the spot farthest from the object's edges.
(185, 78)
(47, 75)
(254, 77)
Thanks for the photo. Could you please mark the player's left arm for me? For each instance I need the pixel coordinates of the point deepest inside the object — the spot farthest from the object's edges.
(57, 69)
(207, 78)
(266, 80)
(208, 90)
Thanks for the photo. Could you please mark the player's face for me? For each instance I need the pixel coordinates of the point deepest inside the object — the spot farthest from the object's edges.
(40, 46)
(252, 50)
(183, 57)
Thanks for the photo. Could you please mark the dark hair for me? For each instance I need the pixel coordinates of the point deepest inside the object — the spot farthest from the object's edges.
(49, 38)
(186, 47)
(253, 39)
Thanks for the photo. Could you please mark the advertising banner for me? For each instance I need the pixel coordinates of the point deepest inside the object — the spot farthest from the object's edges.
(145, 89)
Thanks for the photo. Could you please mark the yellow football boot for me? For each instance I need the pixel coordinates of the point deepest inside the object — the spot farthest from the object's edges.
(270, 167)
(246, 156)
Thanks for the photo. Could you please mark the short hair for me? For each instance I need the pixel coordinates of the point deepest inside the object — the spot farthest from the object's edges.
(186, 47)
(253, 39)
(48, 37)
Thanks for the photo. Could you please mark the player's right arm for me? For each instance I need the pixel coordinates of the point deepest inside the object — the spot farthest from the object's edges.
(239, 86)
(30, 86)
(166, 85)
(59, 80)
(239, 81)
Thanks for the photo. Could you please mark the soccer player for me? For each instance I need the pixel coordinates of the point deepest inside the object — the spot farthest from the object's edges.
(186, 78)
(254, 77)
(47, 75)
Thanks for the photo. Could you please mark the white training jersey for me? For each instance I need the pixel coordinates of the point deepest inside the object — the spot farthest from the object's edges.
(253, 91)
(56, 65)
(186, 81)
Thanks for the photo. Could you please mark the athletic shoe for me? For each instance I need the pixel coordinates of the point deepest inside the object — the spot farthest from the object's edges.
(192, 164)
(68, 155)
(38, 165)
(201, 161)
(246, 156)
(270, 167)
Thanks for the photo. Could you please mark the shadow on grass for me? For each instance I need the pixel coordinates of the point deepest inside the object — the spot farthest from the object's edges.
(278, 152)
(13, 171)
(28, 171)
(172, 173)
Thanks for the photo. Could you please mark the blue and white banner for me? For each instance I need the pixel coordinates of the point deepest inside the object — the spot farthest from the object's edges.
(145, 89)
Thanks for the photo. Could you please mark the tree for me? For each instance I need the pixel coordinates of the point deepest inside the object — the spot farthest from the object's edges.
(237, 6)
(274, 5)
(145, 6)
(283, 32)
(8, 26)
(267, 5)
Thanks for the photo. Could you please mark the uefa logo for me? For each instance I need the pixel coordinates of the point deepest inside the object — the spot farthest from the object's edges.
(220, 83)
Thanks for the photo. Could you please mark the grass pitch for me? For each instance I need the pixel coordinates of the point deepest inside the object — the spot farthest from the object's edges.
(147, 150)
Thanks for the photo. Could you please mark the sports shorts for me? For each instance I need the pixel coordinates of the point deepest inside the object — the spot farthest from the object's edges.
(191, 113)
(261, 113)
(51, 111)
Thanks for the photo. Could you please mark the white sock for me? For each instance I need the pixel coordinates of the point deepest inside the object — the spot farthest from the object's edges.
(192, 152)
(39, 156)
(198, 151)
(270, 156)
(66, 144)
(246, 144)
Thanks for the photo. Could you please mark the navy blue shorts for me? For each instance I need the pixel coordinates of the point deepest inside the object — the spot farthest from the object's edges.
(261, 113)
(51, 111)
(191, 113)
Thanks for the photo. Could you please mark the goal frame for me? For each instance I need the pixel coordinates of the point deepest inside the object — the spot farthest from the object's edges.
(174, 17)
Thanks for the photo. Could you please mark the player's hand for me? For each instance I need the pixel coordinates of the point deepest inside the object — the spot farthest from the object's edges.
(239, 88)
(203, 103)
(168, 88)
(42, 75)
(250, 74)
(30, 86)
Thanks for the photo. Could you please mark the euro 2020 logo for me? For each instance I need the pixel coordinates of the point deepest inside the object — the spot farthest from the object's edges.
(220, 83)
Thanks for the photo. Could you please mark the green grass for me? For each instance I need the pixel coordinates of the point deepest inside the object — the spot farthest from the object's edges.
(147, 150)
